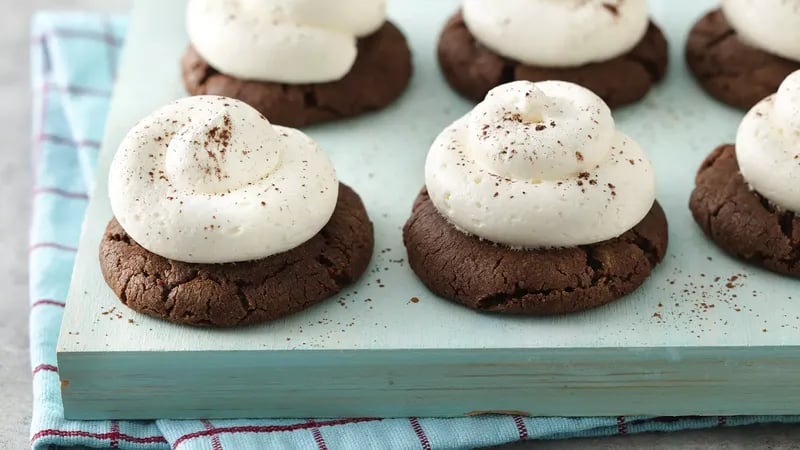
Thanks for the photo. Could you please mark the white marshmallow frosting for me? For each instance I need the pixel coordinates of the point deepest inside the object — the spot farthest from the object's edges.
(208, 179)
(557, 33)
(771, 25)
(284, 41)
(539, 165)
(768, 146)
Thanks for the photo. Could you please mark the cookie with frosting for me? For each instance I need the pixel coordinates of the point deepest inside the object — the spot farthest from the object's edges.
(609, 47)
(536, 204)
(298, 62)
(741, 52)
(223, 219)
(746, 196)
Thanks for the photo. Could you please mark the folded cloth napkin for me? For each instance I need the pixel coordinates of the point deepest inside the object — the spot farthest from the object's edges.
(74, 58)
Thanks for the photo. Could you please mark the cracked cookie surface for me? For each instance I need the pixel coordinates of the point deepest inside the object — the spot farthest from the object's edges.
(472, 69)
(224, 295)
(489, 277)
(730, 70)
(741, 221)
(379, 75)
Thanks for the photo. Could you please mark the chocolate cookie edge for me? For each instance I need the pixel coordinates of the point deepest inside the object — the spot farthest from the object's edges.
(729, 70)
(374, 82)
(336, 257)
(479, 69)
(740, 221)
(584, 288)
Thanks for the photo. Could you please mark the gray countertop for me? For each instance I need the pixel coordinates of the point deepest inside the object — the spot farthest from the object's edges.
(15, 374)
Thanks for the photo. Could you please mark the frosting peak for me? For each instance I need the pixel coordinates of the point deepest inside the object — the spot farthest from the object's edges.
(557, 33)
(539, 165)
(215, 154)
(208, 179)
(284, 41)
(768, 145)
(520, 132)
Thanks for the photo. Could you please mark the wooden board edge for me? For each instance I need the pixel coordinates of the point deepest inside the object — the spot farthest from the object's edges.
(432, 383)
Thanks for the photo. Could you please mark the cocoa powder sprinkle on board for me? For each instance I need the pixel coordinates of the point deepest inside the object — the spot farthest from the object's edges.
(613, 9)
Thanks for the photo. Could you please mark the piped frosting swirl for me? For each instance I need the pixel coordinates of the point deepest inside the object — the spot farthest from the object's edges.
(557, 33)
(284, 41)
(768, 146)
(539, 165)
(208, 179)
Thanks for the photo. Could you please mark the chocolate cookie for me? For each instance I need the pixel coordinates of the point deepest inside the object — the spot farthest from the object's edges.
(224, 295)
(729, 69)
(741, 221)
(489, 277)
(473, 70)
(379, 75)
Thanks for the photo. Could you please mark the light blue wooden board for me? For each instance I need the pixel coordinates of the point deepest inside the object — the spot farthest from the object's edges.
(688, 311)
(434, 383)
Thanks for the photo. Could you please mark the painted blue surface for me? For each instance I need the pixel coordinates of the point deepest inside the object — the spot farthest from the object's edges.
(664, 349)
(436, 383)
